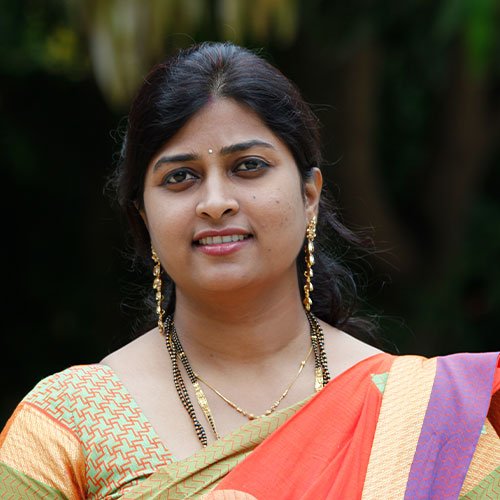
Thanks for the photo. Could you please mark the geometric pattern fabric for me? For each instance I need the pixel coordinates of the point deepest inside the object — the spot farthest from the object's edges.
(118, 446)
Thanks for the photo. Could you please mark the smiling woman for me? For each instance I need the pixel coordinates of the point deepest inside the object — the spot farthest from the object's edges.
(252, 384)
(249, 188)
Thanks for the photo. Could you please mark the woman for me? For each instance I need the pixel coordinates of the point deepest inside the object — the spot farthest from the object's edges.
(249, 386)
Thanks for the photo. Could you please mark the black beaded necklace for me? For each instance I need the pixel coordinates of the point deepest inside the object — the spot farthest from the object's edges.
(176, 352)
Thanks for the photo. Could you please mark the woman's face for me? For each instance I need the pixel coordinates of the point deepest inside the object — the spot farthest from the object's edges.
(224, 204)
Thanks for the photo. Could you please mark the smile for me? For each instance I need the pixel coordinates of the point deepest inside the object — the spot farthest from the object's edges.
(217, 240)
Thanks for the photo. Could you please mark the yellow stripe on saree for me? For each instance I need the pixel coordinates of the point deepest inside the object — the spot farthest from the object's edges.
(398, 429)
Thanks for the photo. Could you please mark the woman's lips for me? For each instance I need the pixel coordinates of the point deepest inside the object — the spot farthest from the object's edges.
(218, 239)
(222, 245)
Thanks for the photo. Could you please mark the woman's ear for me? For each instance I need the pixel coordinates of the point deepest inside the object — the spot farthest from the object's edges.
(142, 213)
(312, 192)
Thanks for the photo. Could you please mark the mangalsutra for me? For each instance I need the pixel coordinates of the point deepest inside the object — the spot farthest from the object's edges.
(176, 352)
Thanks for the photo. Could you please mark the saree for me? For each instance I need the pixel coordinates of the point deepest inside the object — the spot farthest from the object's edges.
(389, 427)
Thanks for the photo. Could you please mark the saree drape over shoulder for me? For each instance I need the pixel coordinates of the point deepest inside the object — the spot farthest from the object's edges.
(388, 428)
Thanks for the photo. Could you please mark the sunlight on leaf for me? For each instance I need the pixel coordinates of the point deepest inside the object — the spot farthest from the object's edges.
(125, 37)
(480, 34)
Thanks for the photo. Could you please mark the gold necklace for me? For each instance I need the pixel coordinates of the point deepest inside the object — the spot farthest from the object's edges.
(274, 406)
(176, 352)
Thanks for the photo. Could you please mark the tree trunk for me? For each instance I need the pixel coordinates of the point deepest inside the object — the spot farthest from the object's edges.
(459, 162)
(361, 192)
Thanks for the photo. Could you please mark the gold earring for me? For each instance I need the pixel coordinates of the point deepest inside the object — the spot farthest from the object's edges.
(309, 252)
(157, 288)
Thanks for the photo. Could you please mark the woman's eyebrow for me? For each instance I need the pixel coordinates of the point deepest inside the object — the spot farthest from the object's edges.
(242, 146)
(175, 159)
(226, 150)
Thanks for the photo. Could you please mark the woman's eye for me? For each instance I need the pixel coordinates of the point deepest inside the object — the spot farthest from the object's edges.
(251, 165)
(179, 176)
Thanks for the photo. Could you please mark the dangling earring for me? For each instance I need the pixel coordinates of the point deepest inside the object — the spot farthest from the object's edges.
(309, 252)
(157, 288)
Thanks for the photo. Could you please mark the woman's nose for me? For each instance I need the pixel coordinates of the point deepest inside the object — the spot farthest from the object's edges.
(217, 199)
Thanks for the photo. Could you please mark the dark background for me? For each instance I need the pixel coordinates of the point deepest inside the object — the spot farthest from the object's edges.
(409, 96)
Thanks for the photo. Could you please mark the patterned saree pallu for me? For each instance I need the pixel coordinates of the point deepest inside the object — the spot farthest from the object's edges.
(433, 440)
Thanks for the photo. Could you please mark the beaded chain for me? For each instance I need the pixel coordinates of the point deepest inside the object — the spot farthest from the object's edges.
(180, 387)
(322, 374)
(176, 351)
(200, 395)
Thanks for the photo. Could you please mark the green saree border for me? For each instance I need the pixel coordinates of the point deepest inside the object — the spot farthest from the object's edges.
(489, 487)
(16, 485)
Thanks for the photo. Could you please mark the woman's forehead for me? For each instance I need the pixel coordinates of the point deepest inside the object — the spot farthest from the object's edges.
(220, 124)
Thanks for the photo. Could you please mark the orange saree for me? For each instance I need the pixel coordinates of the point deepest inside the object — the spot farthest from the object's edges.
(436, 437)
(390, 427)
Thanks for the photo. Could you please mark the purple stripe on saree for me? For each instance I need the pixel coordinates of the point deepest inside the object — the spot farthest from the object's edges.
(453, 421)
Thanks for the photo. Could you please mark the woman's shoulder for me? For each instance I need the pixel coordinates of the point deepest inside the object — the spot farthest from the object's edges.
(459, 370)
(69, 395)
(461, 364)
(140, 363)
(69, 382)
(146, 346)
(344, 351)
(75, 373)
(91, 403)
(456, 372)
(83, 424)
(455, 382)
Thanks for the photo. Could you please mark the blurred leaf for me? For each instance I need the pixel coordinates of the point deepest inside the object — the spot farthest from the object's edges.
(231, 19)
(480, 32)
(287, 21)
(476, 23)
(258, 21)
(450, 19)
(125, 37)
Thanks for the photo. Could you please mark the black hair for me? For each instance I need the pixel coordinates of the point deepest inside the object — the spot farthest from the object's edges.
(176, 90)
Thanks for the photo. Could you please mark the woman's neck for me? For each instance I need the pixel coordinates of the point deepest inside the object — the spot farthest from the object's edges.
(242, 327)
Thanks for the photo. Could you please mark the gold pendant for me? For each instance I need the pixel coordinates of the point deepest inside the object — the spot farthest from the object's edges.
(318, 379)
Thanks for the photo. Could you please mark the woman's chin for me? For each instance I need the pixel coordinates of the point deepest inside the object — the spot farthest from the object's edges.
(224, 285)
(221, 283)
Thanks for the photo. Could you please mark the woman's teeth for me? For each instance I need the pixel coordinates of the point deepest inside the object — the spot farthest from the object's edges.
(215, 240)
